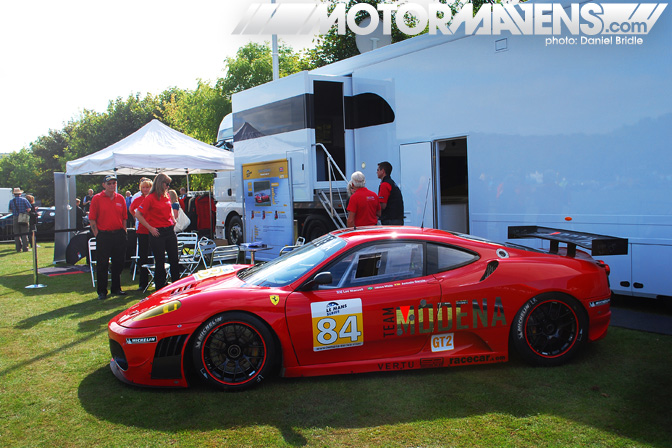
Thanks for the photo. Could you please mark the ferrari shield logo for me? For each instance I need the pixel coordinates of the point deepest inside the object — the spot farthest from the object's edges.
(275, 299)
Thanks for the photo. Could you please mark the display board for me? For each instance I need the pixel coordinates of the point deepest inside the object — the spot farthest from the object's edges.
(267, 205)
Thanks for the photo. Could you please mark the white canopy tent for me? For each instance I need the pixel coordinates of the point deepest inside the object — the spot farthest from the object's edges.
(152, 149)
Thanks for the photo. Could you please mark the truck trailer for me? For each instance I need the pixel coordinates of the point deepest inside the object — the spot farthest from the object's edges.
(483, 132)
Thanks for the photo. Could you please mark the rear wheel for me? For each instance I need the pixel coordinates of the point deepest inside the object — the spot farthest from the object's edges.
(234, 351)
(316, 226)
(549, 329)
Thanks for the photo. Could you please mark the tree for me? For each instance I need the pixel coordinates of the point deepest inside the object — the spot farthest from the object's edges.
(19, 169)
(48, 152)
(253, 66)
(197, 113)
(332, 47)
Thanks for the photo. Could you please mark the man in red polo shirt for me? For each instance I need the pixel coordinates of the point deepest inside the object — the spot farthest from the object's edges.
(107, 216)
(363, 206)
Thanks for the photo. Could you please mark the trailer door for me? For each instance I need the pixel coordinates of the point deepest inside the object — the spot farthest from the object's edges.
(417, 174)
(327, 117)
(452, 184)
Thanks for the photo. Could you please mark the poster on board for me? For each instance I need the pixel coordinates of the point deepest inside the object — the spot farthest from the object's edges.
(267, 204)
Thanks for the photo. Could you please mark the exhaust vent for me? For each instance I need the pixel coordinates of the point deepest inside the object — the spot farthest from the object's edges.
(490, 269)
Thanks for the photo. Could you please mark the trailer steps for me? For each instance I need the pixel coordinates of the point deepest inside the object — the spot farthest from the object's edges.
(330, 197)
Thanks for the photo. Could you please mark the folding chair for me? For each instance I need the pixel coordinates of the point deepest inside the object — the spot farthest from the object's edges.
(189, 262)
(93, 261)
(150, 269)
(187, 245)
(223, 254)
(206, 247)
(300, 241)
(189, 242)
(135, 258)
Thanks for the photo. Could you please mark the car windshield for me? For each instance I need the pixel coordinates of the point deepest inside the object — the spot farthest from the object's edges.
(288, 268)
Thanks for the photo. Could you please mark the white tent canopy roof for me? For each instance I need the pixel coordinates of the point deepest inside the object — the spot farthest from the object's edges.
(152, 149)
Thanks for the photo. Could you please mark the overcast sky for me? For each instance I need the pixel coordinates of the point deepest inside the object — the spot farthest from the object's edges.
(58, 57)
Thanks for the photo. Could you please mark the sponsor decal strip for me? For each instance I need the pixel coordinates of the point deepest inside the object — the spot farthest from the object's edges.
(147, 340)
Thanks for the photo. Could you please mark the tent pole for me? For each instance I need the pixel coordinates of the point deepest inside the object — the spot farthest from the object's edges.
(187, 171)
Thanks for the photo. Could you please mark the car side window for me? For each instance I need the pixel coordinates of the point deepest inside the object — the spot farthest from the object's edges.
(444, 258)
(378, 263)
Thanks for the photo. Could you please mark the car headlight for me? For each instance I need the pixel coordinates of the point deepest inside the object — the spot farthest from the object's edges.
(159, 310)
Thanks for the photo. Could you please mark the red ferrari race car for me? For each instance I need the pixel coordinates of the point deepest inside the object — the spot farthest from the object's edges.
(262, 197)
(370, 299)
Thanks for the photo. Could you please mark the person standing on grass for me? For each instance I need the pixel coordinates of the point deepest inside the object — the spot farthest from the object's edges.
(156, 213)
(32, 226)
(107, 217)
(18, 206)
(79, 221)
(86, 203)
(142, 234)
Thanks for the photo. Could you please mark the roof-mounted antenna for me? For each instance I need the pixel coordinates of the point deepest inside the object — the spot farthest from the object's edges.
(424, 209)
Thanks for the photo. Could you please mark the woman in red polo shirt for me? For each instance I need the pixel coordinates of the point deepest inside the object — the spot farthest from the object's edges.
(156, 214)
(142, 234)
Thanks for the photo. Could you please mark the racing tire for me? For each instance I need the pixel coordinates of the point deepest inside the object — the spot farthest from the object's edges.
(316, 226)
(234, 351)
(549, 330)
(234, 231)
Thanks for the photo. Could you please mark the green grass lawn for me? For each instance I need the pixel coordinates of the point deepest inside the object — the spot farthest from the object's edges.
(56, 389)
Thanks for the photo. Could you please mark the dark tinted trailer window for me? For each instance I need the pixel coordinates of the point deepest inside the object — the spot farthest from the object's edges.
(444, 258)
(329, 122)
(274, 118)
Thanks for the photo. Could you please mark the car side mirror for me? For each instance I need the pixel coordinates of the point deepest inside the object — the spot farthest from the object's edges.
(323, 278)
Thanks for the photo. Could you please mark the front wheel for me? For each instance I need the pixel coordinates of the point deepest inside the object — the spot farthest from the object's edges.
(234, 351)
(234, 231)
(549, 329)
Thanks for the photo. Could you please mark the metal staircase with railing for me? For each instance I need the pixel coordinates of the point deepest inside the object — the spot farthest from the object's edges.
(333, 198)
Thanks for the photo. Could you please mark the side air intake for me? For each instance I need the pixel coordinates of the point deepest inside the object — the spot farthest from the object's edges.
(490, 269)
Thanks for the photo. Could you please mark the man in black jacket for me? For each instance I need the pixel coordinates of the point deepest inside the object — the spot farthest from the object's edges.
(389, 195)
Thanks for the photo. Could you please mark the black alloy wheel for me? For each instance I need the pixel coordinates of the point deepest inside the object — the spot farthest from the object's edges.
(549, 329)
(234, 351)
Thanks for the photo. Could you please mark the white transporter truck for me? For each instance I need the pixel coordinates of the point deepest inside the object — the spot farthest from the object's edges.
(486, 132)
(229, 217)
(6, 195)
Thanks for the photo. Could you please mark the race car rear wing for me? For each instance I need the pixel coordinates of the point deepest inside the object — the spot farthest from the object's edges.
(597, 244)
